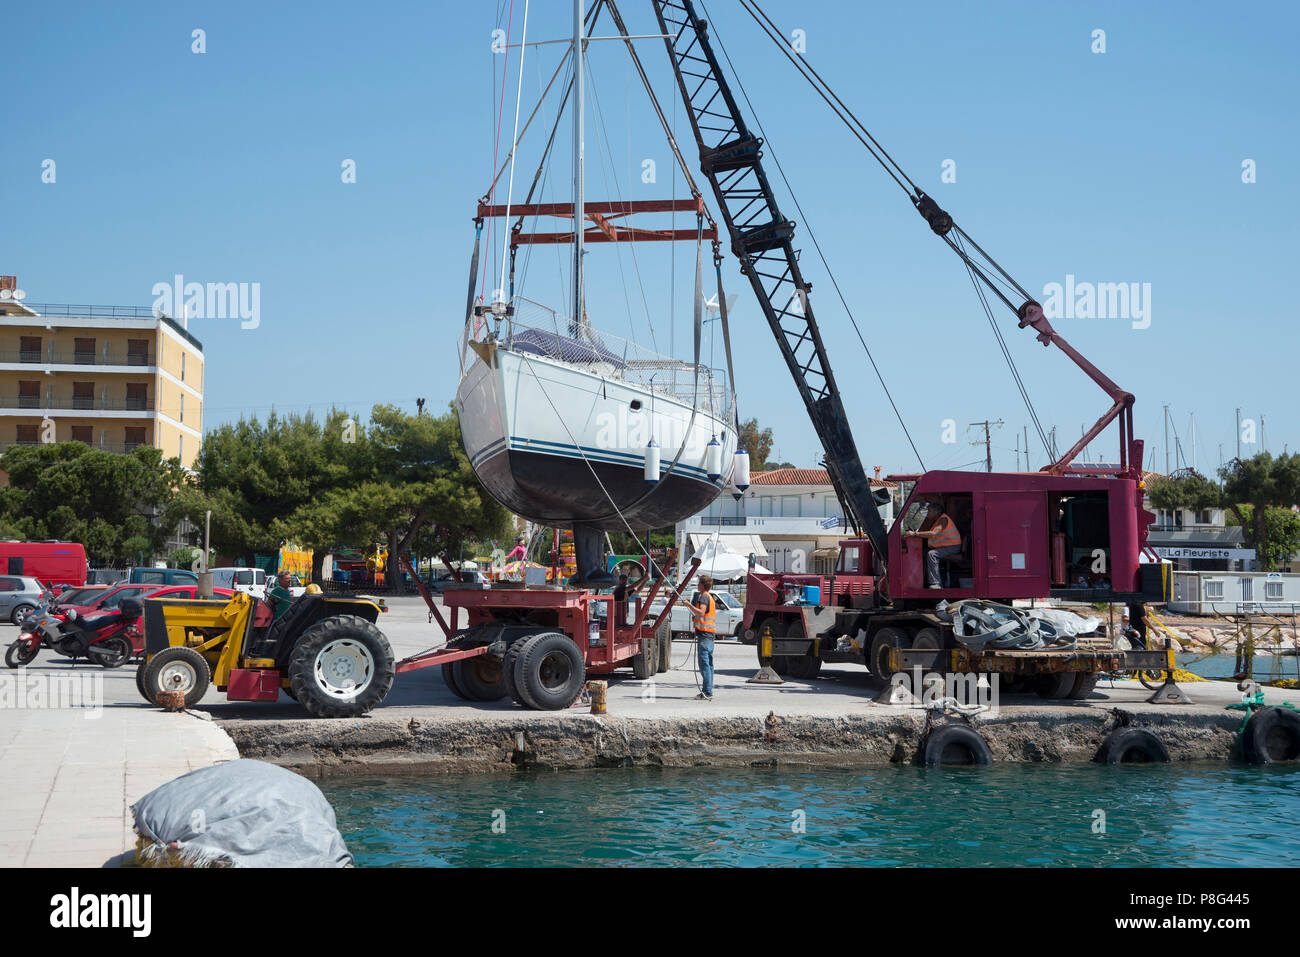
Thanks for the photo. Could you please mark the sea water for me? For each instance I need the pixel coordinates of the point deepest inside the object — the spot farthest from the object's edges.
(1047, 815)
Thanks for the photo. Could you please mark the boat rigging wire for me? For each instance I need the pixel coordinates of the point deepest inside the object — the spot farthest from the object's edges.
(817, 245)
(514, 145)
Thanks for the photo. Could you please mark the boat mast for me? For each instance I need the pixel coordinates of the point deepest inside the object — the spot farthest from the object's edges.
(579, 146)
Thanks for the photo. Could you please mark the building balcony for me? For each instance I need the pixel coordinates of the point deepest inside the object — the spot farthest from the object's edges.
(808, 526)
(74, 358)
(10, 403)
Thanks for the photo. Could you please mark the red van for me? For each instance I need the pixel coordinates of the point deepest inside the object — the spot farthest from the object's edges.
(51, 563)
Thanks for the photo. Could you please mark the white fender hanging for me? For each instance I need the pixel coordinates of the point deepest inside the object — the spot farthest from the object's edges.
(713, 459)
(652, 462)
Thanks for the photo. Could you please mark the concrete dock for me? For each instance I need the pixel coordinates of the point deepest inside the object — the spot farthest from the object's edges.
(69, 774)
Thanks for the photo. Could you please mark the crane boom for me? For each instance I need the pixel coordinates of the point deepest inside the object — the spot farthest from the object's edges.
(762, 241)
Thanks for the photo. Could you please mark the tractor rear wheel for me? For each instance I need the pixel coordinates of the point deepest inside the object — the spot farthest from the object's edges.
(177, 669)
(549, 671)
(481, 678)
(341, 667)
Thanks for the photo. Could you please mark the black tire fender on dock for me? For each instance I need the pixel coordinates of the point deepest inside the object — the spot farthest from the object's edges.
(955, 744)
(1132, 746)
(1272, 735)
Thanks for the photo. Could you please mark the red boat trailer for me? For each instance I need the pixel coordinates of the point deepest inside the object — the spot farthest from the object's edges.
(510, 643)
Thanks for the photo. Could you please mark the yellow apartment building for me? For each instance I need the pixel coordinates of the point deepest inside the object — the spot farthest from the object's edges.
(110, 376)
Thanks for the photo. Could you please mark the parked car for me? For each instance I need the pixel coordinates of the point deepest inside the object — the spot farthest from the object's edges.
(468, 579)
(163, 576)
(251, 581)
(20, 595)
(107, 576)
(76, 596)
(110, 598)
(729, 618)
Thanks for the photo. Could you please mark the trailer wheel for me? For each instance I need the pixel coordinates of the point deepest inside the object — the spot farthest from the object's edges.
(341, 667)
(955, 744)
(481, 678)
(881, 642)
(449, 679)
(1272, 734)
(1084, 686)
(1057, 685)
(1132, 746)
(510, 671)
(549, 671)
(664, 635)
(177, 669)
(646, 664)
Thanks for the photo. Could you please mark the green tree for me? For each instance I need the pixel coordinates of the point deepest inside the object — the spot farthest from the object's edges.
(1192, 491)
(121, 506)
(1255, 490)
(757, 442)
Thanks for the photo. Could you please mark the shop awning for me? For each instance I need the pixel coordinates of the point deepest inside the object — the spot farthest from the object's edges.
(740, 544)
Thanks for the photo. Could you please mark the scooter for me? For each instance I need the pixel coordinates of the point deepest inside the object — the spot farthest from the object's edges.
(108, 638)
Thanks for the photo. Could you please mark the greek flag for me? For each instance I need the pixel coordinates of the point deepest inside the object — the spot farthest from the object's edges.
(832, 522)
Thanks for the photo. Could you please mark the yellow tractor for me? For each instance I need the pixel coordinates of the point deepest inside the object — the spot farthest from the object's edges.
(325, 652)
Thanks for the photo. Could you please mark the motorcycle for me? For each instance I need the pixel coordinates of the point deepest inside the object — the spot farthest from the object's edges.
(108, 638)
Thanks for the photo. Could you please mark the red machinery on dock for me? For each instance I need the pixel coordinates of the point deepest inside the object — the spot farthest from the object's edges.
(538, 644)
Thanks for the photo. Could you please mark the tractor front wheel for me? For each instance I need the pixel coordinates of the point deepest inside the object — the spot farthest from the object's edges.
(176, 669)
(341, 667)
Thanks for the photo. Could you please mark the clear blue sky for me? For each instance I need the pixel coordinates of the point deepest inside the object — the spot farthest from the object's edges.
(1115, 167)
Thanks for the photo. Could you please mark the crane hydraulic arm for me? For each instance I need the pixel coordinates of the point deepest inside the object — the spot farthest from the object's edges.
(762, 241)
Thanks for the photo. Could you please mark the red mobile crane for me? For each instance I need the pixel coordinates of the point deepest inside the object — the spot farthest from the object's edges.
(1066, 531)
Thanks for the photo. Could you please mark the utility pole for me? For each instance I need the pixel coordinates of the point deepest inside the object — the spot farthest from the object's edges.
(987, 443)
(1166, 440)
(1018, 453)
(1027, 466)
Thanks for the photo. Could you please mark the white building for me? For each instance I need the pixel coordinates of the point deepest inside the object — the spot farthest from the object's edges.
(790, 519)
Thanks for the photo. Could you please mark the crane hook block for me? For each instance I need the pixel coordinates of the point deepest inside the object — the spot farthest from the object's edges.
(1031, 314)
(940, 222)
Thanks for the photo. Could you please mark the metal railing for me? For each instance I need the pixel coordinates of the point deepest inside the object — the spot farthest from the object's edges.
(76, 403)
(43, 357)
(604, 354)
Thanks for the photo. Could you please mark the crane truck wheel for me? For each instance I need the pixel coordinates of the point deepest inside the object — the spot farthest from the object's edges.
(955, 744)
(1084, 686)
(803, 667)
(1271, 734)
(341, 667)
(549, 671)
(1132, 746)
(881, 642)
(481, 678)
(1057, 685)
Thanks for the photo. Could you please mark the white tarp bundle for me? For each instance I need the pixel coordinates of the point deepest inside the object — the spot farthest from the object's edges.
(240, 814)
(722, 564)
